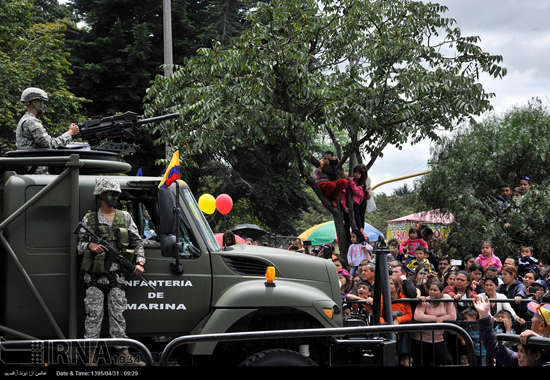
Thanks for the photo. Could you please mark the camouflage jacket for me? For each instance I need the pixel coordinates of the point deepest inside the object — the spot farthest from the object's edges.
(31, 134)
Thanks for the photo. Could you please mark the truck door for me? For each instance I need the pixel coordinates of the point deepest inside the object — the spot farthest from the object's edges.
(181, 298)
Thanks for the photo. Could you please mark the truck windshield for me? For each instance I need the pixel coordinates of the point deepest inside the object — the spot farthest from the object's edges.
(188, 200)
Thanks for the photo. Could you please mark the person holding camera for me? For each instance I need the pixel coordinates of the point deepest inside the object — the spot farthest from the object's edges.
(329, 178)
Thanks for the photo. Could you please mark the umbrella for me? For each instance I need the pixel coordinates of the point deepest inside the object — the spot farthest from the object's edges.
(326, 233)
(249, 230)
(219, 238)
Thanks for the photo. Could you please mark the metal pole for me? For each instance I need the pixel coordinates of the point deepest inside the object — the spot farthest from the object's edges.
(74, 167)
(168, 57)
(167, 31)
(399, 179)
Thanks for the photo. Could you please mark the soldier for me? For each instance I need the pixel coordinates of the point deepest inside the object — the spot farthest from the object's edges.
(103, 277)
(30, 133)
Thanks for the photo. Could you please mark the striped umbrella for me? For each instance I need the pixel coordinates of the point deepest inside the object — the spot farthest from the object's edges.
(326, 233)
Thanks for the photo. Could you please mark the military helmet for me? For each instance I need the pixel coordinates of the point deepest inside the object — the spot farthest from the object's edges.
(33, 93)
(106, 184)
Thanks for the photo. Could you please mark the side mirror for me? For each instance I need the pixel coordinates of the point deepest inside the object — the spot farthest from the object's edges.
(168, 246)
(166, 203)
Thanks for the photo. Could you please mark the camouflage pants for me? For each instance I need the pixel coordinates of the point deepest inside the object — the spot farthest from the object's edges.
(94, 304)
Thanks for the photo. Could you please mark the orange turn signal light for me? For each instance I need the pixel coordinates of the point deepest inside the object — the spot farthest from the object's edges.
(328, 312)
(270, 274)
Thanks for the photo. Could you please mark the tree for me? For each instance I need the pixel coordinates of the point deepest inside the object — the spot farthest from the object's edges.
(32, 55)
(120, 49)
(383, 72)
(468, 166)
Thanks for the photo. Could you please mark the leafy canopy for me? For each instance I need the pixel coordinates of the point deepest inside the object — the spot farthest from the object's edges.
(32, 55)
(468, 167)
(382, 72)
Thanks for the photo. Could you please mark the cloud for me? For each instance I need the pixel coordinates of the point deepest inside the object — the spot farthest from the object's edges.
(517, 30)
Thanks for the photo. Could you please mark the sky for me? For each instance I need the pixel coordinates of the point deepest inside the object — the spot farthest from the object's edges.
(519, 31)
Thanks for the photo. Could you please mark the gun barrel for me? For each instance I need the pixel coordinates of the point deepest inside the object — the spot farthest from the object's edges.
(157, 119)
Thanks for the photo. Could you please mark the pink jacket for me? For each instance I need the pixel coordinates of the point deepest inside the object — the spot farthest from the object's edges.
(426, 312)
(493, 260)
(411, 245)
(358, 194)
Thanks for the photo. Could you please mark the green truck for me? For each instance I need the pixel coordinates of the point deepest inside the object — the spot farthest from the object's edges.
(194, 287)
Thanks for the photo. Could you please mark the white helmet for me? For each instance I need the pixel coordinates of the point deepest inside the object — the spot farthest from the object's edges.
(33, 93)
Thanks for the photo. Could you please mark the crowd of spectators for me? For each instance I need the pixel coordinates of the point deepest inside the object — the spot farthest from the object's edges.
(426, 288)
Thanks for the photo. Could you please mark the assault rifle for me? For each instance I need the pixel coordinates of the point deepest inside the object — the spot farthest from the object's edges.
(122, 130)
(112, 250)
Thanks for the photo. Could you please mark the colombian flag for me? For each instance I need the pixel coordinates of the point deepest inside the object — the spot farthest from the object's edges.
(172, 172)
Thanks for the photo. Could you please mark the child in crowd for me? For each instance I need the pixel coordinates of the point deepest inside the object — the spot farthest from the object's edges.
(405, 360)
(525, 183)
(471, 315)
(490, 269)
(449, 280)
(488, 257)
(517, 192)
(346, 285)
(394, 249)
(476, 274)
(505, 325)
(421, 258)
(362, 291)
(328, 178)
(505, 317)
(346, 310)
(527, 261)
(357, 186)
(358, 251)
(412, 243)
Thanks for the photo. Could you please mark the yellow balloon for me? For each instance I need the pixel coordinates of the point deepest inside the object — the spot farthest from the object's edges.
(207, 203)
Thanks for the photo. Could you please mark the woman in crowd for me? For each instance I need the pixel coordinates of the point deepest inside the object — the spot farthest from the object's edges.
(513, 288)
(401, 311)
(490, 286)
(430, 344)
(460, 291)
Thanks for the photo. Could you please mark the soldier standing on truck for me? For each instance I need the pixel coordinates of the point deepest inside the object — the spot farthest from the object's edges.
(30, 133)
(105, 278)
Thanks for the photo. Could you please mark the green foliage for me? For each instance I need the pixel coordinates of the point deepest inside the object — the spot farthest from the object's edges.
(384, 72)
(120, 49)
(31, 54)
(264, 189)
(468, 166)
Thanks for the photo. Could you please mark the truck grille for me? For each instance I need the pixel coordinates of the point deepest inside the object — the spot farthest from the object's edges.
(246, 266)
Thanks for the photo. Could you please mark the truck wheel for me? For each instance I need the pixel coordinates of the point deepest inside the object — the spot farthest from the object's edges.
(278, 357)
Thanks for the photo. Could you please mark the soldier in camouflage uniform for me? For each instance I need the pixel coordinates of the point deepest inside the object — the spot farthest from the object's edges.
(30, 133)
(105, 279)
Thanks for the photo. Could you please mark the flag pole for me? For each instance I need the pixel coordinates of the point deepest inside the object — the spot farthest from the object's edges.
(177, 267)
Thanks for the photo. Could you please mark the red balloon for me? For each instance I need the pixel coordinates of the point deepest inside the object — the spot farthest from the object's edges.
(224, 204)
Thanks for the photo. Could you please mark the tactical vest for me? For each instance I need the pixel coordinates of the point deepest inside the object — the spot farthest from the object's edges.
(117, 235)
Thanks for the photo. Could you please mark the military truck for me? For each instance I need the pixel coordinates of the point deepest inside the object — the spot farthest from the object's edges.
(194, 286)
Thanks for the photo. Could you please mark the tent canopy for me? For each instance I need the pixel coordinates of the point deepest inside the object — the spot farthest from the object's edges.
(326, 233)
(432, 216)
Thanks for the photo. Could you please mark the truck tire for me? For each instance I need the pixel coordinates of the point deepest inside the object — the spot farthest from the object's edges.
(278, 357)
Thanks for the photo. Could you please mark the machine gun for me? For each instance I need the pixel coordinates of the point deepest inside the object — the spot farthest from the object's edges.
(122, 131)
(111, 250)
